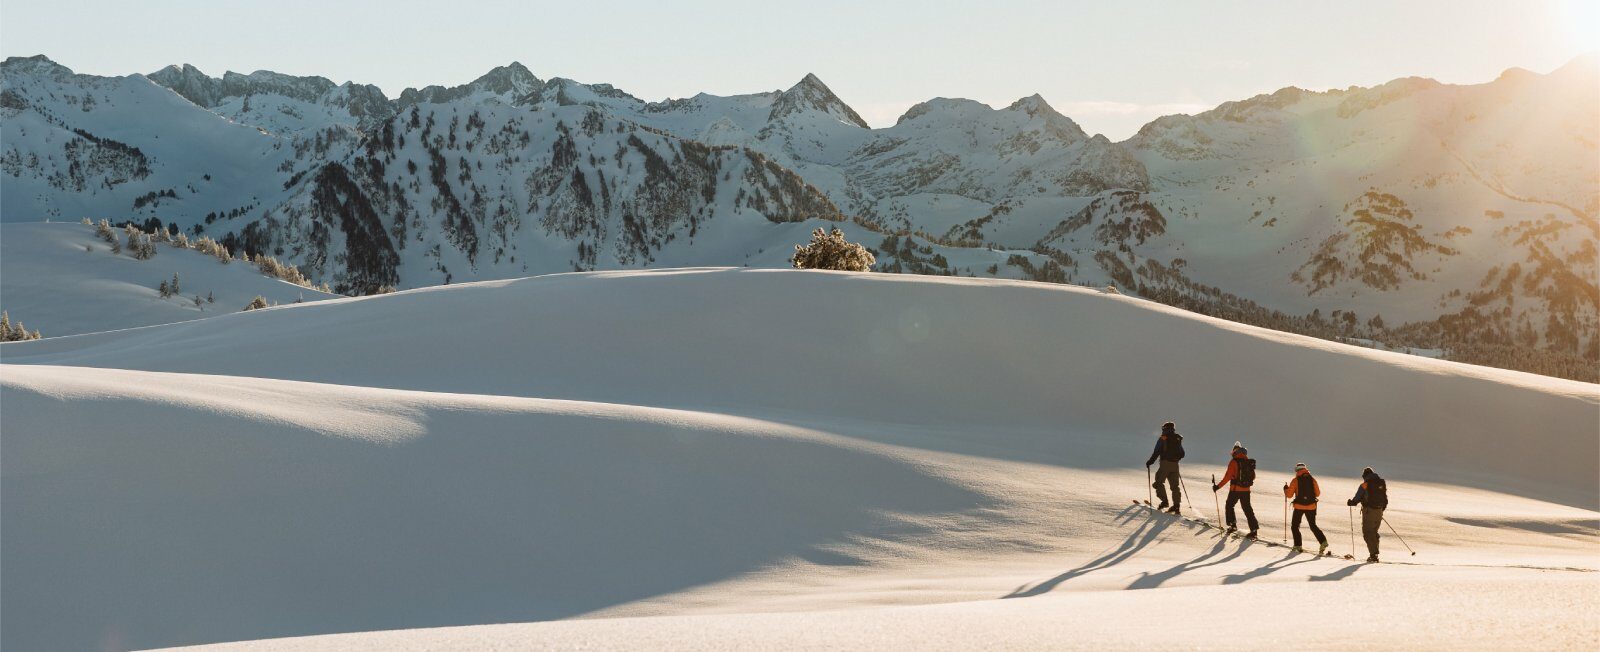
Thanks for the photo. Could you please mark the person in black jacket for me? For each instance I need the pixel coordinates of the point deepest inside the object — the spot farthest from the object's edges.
(1169, 449)
(1373, 497)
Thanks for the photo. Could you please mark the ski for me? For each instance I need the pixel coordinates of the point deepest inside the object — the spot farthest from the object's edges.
(1236, 536)
(1181, 517)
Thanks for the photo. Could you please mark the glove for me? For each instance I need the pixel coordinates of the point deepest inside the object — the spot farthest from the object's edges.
(1351, 503)
(1147, 464)
(1215, 487)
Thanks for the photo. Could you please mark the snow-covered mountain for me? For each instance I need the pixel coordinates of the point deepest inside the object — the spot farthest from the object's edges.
(127, 148)
(279, 103)
(1417, 212)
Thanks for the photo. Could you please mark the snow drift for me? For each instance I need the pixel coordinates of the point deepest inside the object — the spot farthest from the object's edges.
(707, 441)
(974, 354)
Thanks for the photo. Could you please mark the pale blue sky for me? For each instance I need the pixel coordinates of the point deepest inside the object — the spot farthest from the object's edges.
(1110, 65)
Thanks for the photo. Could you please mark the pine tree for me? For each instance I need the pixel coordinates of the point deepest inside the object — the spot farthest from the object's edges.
(829, 250)
(174, 286)
(15, 332)
(165, 290)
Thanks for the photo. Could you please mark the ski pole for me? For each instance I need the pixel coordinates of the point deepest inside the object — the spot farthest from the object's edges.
(1352, 532)
(1285, 538)
(1185, 482)
(1401, 538)
(1215, 500)
(1149, 493)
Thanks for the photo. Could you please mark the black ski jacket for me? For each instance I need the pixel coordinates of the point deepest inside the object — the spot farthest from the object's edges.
(1161, 450)
(1361, 492)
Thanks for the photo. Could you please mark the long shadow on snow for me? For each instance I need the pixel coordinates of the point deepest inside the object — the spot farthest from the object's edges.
(1337, 575)
(1153, 580)
(1148, 530)
(173, 526)
(1269, 568)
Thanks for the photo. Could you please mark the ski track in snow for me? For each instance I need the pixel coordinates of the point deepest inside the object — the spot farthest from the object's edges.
(737, 459)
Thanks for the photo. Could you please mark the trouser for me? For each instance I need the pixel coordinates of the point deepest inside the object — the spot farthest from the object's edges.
(1311, 519)
(1371, 518)
(1243, 499)
(1167, 475)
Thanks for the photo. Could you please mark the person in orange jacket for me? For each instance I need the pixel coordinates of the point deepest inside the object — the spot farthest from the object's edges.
(1240, 475)
(1304, 491)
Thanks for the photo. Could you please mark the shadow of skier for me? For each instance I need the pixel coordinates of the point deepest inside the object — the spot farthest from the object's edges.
(1271, 567)
(1153, 580)
(1337, 575)
(1147, 532)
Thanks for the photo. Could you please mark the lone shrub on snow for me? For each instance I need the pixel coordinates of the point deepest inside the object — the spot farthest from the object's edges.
(17, 333)
(257, 303)
(829, 250)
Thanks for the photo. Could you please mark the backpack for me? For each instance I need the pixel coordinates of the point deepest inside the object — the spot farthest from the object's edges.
(1173, 451)
(1305, 492)
(1247, 473)
(1377, 494)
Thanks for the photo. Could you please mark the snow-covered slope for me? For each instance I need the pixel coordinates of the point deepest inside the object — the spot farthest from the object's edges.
(62, 280)
(724, 442)
(1408, 200)
(1414, 212)
(126, 148)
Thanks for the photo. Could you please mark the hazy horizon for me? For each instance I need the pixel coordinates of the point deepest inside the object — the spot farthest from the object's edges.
(1110, 68)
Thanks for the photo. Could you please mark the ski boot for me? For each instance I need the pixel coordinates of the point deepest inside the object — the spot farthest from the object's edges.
(1232, 529)
(1251, 536)
(1322, 549)
(1162, 507)
(1175, 511)
(1297, 549)
(1373, 559)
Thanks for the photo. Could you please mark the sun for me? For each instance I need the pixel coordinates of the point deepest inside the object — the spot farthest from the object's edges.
(1580, 22)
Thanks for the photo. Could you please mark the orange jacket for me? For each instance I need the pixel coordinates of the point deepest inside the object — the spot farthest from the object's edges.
(1289, 490)
(1233, 472)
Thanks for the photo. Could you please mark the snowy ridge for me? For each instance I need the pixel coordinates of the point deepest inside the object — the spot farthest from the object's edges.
(974, 440)
(1449, 213)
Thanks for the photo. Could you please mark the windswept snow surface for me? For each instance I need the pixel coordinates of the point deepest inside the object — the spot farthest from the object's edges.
(746, 459)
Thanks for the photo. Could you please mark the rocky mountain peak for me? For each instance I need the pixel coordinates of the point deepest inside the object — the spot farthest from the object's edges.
(511, 82)
(1057, 124)
(37, 64)
(190, 83)
(813, 95)
(513, 78)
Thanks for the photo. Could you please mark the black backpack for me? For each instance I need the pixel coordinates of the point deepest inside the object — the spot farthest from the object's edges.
(1305, 492)
(1377, 493)
(1173, 451)
(1247, 473)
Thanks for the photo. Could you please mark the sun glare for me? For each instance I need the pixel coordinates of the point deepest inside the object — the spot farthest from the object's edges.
(1580, 20)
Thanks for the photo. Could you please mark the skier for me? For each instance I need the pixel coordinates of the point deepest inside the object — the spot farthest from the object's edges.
(1240, 475)
(1304, 490)
(1169, 449)
(1373, 497)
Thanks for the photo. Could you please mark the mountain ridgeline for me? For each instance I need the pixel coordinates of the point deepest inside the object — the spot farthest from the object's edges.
(1461, 219)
